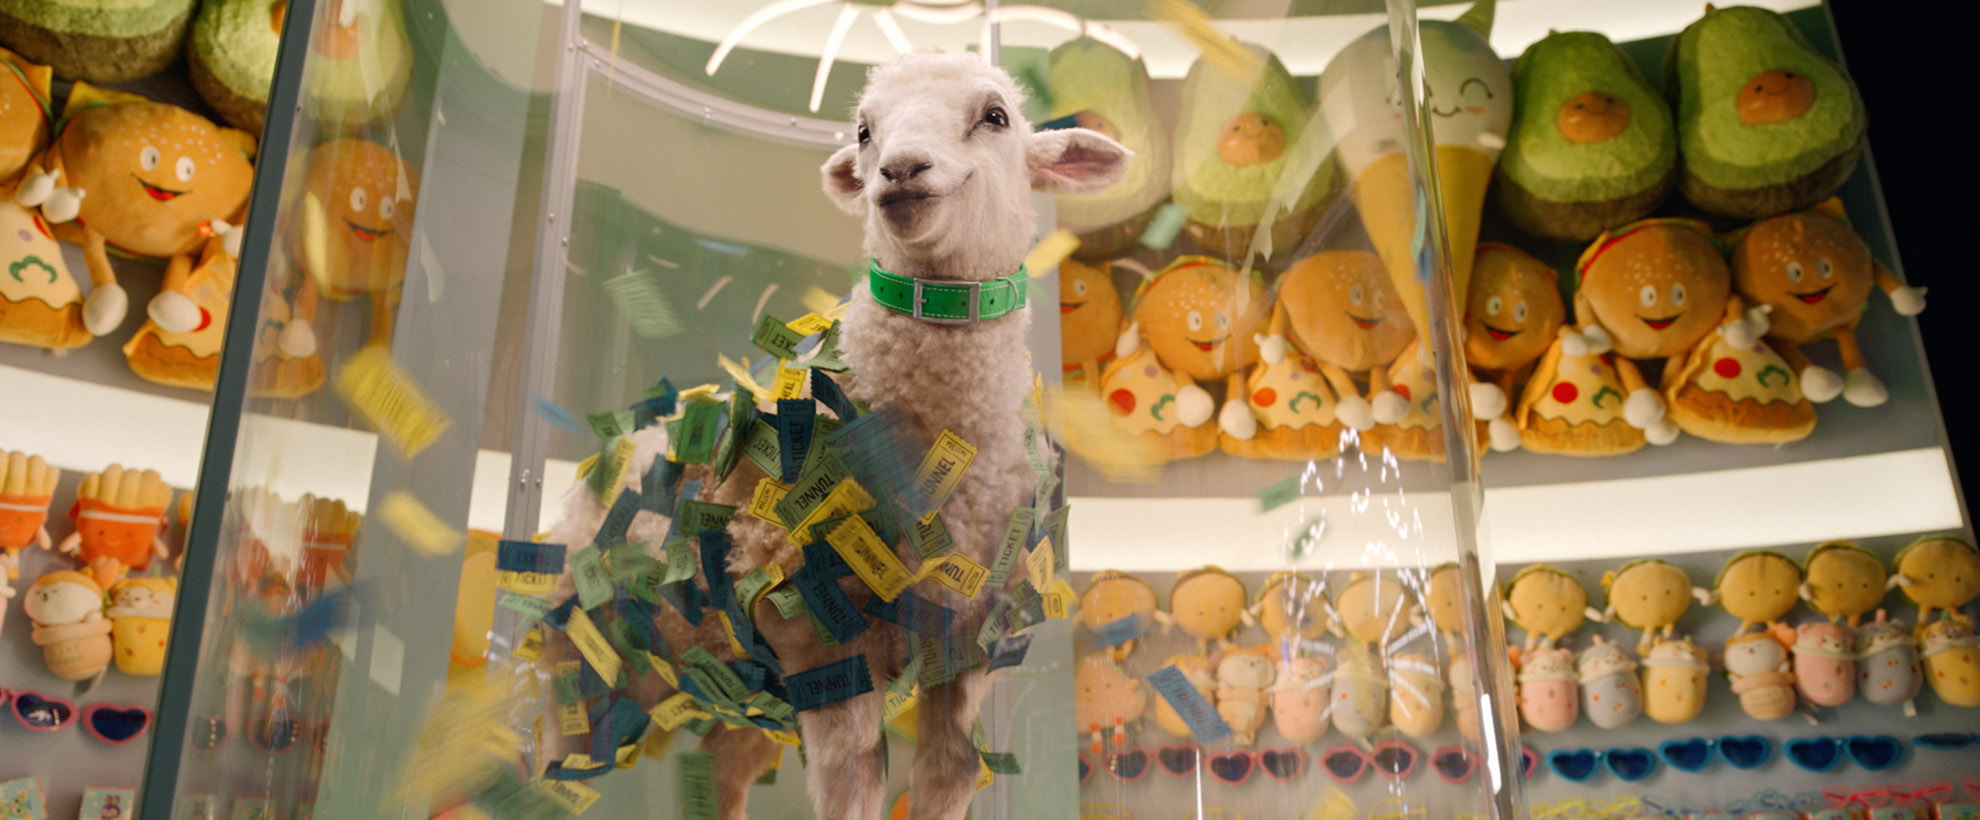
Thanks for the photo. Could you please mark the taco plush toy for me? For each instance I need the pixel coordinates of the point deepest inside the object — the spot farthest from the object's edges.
(1238, 141)
(1099, 87)
(101, 41)
(143, 179)
(1843, 581)
(356, 210)
(1759, 587)
(1815, 275)
(1591, 146)
(24, 113)
(1512, 315)
(1337, 314)
(1194, 322)
(360, 64)
(1765, 123)
(27, 487)
(1938, 573)
(231, 54)
(1089, 320)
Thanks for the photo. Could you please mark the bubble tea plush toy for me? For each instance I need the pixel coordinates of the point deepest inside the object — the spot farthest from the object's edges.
(1115, 609)
(1106, 699)
(1300, 699)
(67, 610)
(1758, 669)
(140, 619)
(1611, 694)
(1201, 674)
(1360, 696)
(1416, 694)
(1951, 654)
(1648, 595)
(1674, 680)
(1375, 611)
(1243, 680)
(1889, 670)
(1206, 604)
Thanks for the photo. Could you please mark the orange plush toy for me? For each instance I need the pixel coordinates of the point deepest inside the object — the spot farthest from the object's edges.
(27, 486)
(24, 120)
(40, 304)
(357, 209)
(119, 516)
(1194, 322)
(1089, 320)
(1513, 312)
(145, 179)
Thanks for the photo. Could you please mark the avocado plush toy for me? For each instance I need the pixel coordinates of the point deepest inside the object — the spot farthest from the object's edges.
(1236, 139)
(1765, 123)
(360, 64)
(1107, 91)
(1591, 145)
(100, 41)
(232, 57)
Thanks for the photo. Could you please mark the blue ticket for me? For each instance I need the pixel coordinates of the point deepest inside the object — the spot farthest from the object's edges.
(1115, 633)
(619, 518)
(829, 604)
(1195, 710)
(829, 684)
(529, 556)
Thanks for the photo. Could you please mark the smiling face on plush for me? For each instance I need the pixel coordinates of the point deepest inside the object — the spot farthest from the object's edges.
(62, 597)
(1944, 573)
(1753, 653)
(1657, 286)
(146, 596)
(1292, 606)
(1759, 587)
(1342, 309)
(365, 196)
(1812, 269)
(1468, 89)
(1207, 604)
(1113, 596)
(1199, 316)
(1089, 313)
(154, 174)
(1512, 311)
(1649, 594)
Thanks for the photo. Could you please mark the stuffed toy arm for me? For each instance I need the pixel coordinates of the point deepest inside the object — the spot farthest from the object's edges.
(1389, 406)
(1487, 400)
(1743, 327)
(172, 309)
(1193, 403)
(1905, 299)
(1353, 410)
(1595, 615)
(1129, 341)
(71, 545)
(40, 188)
(1705, 596)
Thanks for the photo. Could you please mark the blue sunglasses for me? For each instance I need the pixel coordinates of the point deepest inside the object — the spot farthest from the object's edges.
(1945, 741)
(1738, 751)
(1578, 765)
(1821, 754)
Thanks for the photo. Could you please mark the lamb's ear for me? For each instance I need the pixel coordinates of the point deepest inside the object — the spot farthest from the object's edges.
(842, 184)
(1074, 161)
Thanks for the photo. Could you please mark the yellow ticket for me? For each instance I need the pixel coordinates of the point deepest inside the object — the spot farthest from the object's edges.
(785, 737)
(740, 372)
(816, 300)
(848, 498)
(416, 525)
(628, 755)
(983, 775)
(1050, 251)
(1059, 599)
(615, 470)
(676, 711)
(790, 382)
(575, 797)
(578, 760)
(764, 503)
(942, 469)
(1038, 566)
(957, 572)
(592, 645)
(897, 702)
(378, 389)
(571, 720)
(869, 558)
(665, 669)
(531, 648)
(809, 323)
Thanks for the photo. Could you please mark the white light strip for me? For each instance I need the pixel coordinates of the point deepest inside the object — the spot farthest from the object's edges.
(892, 30)
(936, 16)
(847, 15)
(750, 23)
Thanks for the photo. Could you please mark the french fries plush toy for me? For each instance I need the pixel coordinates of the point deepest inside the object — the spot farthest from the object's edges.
(119, 515)
(27, 487)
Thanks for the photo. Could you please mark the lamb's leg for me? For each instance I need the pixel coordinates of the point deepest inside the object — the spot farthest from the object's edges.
(945, 761)
(842, 749)
(741, 756)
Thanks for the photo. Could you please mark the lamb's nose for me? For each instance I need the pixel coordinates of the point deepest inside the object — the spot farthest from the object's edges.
(904, 169)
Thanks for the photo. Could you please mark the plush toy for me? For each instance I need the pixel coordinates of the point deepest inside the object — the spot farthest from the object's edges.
(1512, 314)
(1201, 674)
(1099, 87)
(1547, 695)
(1573, 403)
(1759, 587)
(1757, 667)
(1244, 678)
(1115, 609)
(1089, 320)
(1592, 145)
(67, 610)
(10, 568)
(1938, 573)
(1765, 123)
(329, 535)
(24, 113)
(1106, 699)
(1951, 654)
(1816, 275)
(1198, 318)
(1650, 290)
(27, 487)
(190, 358)
(231, 54)
(141, 618)
(1734, 388)
(1360, 693)
(286, 362)
(1611, 694)
(1301, 699)
(40, 302)
(1418, 433)
(96, 41)
(1464, 699)
(1674, 680)
(1416, 694)
(1294, 612)
(141, 178)
(1889, 670)
(1444, 603)
(1238, 139)
(1337, 314)
(360, 64)
(119, 517)
(1825, 663)
(1843, 581)
(1374, 609)
(1473, 93)
(1208, 605)
(1547, 603)
(357, 202)
(1648, 595)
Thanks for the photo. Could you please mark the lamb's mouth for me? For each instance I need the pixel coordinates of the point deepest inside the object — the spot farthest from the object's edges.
(1500, 334)
(910, 196)
(1661, 323)
(1813, 297)
(1368, 323)
(1206, 346)
(162, 194)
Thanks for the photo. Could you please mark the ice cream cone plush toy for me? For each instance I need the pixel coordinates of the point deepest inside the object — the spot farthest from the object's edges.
(67, 610)
(27, 487)
(1201, 674)
(1649, 595)
(1938, 573)
(1106, 700)
(1890, 670)
(119, 514)
(141, 619)
(24, 112)
(1674, 680)
(1089, 320)
(1816, 275)
(1208, 605)
(1198, 319)
(1101, 88)
(1336, 314)
(1469, 93)
(1951, 654)
(1758, 669)
(357, 208)
(1243, 678)
(1843, 581)
(1611, 694)
(1115, 609)
(145, 179)
(1301, 699)
(1512, 314)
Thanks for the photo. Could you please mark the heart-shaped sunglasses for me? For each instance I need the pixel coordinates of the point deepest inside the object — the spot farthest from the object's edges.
(112, 724)
(1578, 765)
(1235, 767)
(1821, 754)
(1348, 763)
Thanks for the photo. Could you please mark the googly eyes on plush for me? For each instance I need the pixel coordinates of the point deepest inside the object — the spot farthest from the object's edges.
(1677, 295)
(1493, 305)
(1195, 320)
(1648, 296)
(148, 158)
(1079, 287)
(1827, 270)
(1223, 320)
(387, 206)
(184, 169)
(358, 200)
(1355, 294)
(1794, 271)
(1519, 311)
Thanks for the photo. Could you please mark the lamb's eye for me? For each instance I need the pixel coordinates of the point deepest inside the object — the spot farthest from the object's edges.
(1794, 271)
(148, 158)
(865, 134)
(184, 168)
(1825, 268)
(1493, 305)
(996, 116)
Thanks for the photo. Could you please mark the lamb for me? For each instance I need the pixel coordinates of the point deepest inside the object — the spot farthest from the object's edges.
(942, 173)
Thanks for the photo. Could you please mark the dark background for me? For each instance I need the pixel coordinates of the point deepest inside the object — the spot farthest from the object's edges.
(1915, 67)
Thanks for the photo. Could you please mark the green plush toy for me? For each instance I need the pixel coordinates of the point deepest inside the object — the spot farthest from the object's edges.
(1236, 138)
(1107, 91)
(100, 41)
(1591, 146)
(232, 56)
(1765, 123)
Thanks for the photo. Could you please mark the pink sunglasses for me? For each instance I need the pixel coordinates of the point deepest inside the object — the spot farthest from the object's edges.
(1347, 762)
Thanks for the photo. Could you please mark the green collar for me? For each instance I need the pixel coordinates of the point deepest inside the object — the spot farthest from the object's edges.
(947, 303)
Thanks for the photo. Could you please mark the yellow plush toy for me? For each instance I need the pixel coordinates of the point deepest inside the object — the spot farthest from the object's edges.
(1735, 389)
(1547, 603)
(1759, 587)
(357, 203)
(1208, 605)
(1648, 595)
(1951, 656)
(1843, 581)
(67, 611)
(141, 619)
(24, 112)
(1089, 320)
(1374, 609)
(1294, 612)
(1512, 315)
(1116, 608)
(1244, 681)
(1573, 403)
(1938, 573)
(1198, 318)
(1202, 675)
(1675, 675)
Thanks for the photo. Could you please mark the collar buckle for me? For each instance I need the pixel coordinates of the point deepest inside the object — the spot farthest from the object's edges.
(975, 291)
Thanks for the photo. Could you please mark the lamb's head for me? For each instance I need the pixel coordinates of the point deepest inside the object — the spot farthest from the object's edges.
(945, 162)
